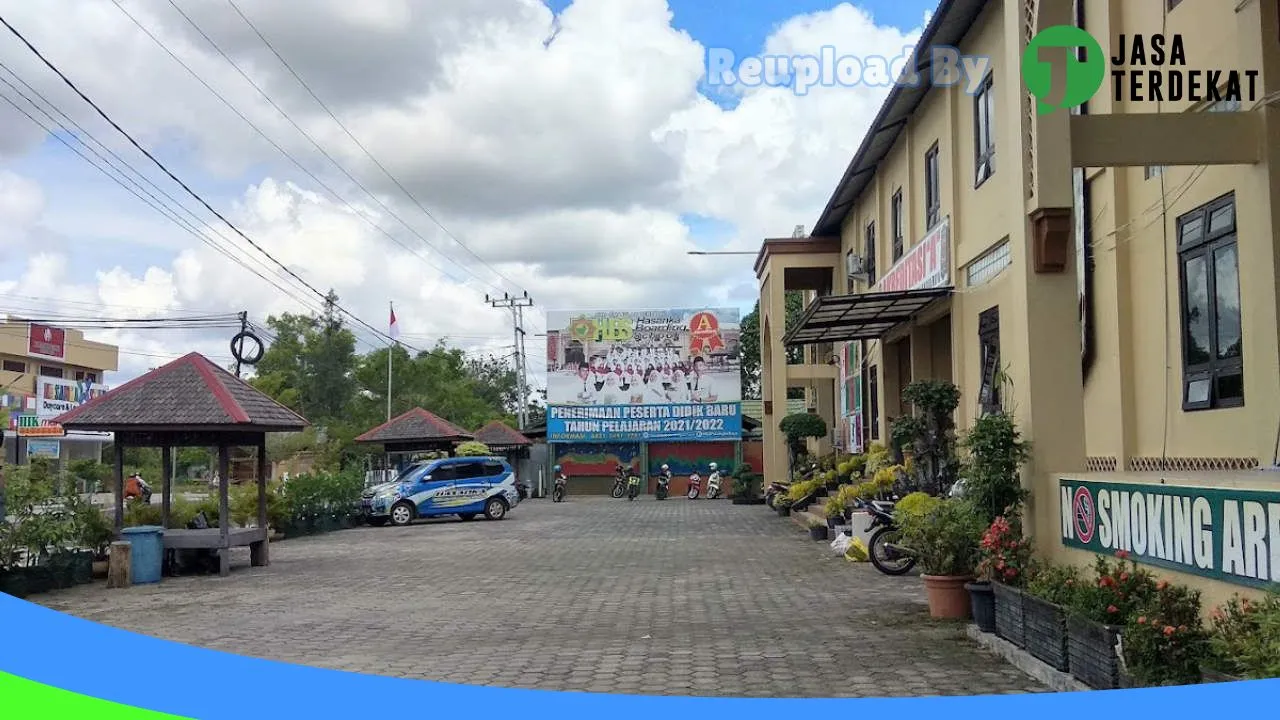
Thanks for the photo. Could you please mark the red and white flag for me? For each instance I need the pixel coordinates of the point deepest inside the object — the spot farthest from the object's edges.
(395, 326)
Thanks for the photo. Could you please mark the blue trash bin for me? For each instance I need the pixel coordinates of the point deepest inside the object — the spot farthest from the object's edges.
(146, 556)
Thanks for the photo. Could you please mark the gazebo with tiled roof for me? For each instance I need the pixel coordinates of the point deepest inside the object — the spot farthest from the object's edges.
(191, 402)
(415, 431)
(504, 439)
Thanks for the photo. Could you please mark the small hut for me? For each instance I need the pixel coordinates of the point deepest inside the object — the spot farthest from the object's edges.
(416, 431)
(502, 439)
(191, 402)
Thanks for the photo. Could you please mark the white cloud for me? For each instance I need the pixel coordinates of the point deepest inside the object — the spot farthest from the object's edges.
(567, 164)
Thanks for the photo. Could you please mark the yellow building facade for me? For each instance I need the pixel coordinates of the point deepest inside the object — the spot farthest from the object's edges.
(1108, 276)
(45, 371)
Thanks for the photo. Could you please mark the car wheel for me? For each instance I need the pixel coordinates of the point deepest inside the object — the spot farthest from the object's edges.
(377, 522)
(402, 514)
(467, 516)
(495, 509)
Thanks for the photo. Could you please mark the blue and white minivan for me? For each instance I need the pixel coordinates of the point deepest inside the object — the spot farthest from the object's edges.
(462, 486)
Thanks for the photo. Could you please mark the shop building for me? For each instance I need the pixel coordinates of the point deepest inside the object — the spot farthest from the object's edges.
(1107, 275)
(44, 372)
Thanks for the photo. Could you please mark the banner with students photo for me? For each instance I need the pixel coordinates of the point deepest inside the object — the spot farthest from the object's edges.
(644, 375)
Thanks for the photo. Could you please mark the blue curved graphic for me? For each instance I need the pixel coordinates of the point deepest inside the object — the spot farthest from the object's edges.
(97, 661)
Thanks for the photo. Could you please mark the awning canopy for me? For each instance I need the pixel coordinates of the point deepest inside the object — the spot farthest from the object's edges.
(861, 316)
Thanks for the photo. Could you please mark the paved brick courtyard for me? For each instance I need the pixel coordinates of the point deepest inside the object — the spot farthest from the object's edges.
(675, 597)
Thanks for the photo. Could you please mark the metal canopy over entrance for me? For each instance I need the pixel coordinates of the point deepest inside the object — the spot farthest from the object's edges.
(862, 316)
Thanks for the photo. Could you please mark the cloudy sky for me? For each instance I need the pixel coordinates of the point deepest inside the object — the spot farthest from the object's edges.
(426, 152)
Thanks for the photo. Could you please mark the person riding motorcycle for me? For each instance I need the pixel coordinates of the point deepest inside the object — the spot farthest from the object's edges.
(561, 480)
(136, 487)
(664, 481)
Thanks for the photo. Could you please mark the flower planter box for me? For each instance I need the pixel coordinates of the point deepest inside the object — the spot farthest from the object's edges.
(1010, 624)
(834, 522)
(783, 510)
(1045, 631)
(983, 600)
(1091, 651)
(818, 533)
(82, 568)
(13, 583)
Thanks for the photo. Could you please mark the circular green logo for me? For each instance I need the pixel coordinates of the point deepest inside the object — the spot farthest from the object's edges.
(1060, 80)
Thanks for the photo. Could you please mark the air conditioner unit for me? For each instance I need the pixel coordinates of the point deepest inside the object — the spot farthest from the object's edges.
(854, 266)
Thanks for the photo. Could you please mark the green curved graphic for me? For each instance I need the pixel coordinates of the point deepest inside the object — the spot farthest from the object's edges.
(21, 699)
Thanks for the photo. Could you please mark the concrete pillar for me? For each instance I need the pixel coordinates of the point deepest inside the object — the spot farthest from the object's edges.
(922, 353)
(773, 374)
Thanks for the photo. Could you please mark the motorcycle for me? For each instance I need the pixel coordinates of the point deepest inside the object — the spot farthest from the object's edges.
(664, 485)
(633, 487)
(713, 486)
(557, 494)
(884, 551)
(775, 489)
(619, 485)
(695, 485)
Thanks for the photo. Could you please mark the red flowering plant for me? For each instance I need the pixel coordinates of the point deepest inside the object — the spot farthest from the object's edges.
(1166, 642)
(1005, 555)
(1118, 590)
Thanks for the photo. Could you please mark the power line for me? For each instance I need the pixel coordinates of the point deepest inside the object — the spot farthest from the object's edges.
(378, 201)
(360, 145)
(177, 180)
(154, 203)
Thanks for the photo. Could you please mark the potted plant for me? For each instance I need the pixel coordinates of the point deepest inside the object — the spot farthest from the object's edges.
(818, 529)
(797, 428)
(1006, 560)
(834, 510)
(945, 542)
(1097, 615)
(1244, 640)
(744, 485)
(995, 455)
(927, 436)
(1044, 601)
(782, 505)
(1166, 643)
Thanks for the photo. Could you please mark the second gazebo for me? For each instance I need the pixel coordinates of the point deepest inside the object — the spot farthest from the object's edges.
(414, 432)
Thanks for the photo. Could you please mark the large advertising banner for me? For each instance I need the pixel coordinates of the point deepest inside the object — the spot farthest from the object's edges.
(55, 397)
(644, 375)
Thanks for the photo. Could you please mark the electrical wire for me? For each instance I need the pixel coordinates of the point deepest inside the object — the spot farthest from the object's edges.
(67, 81)
(360, 145)
(350, 177)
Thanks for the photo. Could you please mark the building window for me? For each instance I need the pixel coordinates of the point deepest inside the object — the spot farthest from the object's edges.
(81, 376)
(15, 366)
(989, 265)
(984, 139)
(50, 371)
(932, 191)
(1209, 290)
(1171, 4)
(869, 262)
(1152, 171)
(873, 400)
(989, 343)
(895, 216)
(1231, 105)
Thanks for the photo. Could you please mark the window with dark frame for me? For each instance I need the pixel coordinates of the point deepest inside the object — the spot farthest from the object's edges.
(895, 217)
(873, 401)
(1209, 295)
(14, 366)
(984, 142)
(869, 261)
(1171, 4)
(50, 371)
(989, 344)
(932, 190)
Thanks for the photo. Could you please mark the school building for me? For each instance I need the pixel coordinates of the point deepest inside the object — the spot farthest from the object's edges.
(1107, 275)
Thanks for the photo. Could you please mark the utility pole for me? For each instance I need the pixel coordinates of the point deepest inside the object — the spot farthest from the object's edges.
(517, 306)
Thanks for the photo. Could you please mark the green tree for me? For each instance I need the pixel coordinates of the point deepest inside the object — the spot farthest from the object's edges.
(328, 365)
(750, 344)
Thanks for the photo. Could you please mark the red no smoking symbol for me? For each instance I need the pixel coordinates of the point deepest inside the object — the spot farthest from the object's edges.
(1085, 516)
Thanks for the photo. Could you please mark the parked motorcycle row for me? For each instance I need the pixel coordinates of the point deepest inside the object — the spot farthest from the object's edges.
(627, 484)
(885, 551)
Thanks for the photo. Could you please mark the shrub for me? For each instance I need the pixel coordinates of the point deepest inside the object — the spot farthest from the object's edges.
(995, 455)
(916, 504)
(945, 539)
(1006, 555)
(1166, 642)
(834, 507)
(1244, 638)
(1055, 583)
(1116, 593)
(471, 448)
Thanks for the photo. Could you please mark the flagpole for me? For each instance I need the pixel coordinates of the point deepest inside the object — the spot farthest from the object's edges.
(390, 351)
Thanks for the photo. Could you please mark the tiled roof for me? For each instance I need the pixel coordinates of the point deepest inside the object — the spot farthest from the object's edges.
(190, 392)
(499, 434)
(417, 424)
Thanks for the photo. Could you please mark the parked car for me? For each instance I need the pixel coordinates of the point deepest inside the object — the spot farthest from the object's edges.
(462, 486)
